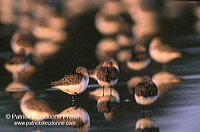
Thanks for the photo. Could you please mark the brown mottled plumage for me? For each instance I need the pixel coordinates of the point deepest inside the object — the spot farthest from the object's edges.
(146, 88)
(69, 79)
(107, 74)
(18, 58)
(73, 83)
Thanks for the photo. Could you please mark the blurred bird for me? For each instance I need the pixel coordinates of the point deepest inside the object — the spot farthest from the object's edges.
(35, 109)
(132, 83)
(73, 83)
(105, 48)
(162, 53)
(140, 58)
(146, 92)
(16, 63)
(109, 24)
(22, 41)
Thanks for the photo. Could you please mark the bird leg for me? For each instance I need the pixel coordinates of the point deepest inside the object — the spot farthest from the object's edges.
(73, 100)
(16, 77)
(149, 111)
(103, 90)
(143, 112)
(110, 90)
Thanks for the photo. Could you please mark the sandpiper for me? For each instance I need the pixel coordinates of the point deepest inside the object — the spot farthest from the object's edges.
(109, 24)
(140, 58)
(34, 108)
(146, 92)
(73, 83)
(93, 73)
(107, 74)
(22, 41)
(161, 52)
(17, 63)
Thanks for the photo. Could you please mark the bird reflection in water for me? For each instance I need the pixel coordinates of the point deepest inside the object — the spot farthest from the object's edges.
(146, 125)
(96, 94)
(107, 104)
(165, 80)
(75, 116)
(16, 89)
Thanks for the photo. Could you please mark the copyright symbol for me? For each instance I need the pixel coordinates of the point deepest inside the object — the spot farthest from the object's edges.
(8, 116)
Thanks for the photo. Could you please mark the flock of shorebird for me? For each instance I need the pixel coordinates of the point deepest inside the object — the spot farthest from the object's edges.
(106, 74)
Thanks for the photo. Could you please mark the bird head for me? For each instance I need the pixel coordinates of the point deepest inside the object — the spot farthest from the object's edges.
(107, 64)
(82, 70)
(147, 79)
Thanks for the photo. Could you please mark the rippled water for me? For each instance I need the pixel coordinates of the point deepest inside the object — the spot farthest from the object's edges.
(177, 109)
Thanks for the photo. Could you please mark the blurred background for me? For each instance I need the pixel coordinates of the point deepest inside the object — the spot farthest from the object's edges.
(60, 35)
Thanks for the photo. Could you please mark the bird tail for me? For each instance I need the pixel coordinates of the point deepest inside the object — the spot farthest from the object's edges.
(54, 84)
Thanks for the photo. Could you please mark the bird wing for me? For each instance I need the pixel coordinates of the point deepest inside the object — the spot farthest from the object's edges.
(139, 56)
(107, 74)
(146, 89)
(166, 48)
(69, 79)
(16, 59)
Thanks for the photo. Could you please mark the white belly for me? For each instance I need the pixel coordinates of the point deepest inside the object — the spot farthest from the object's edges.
(138, 65)
(33, 114)
(16, 68)
(145, 100)
(107, 84)
(163, 57)
(74, 89)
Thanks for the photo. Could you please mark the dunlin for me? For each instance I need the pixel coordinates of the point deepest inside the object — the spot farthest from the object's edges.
(146, 92)
(161, 52)
(34, 108)
(140, 58)
(73, 83)
(17, 63)
(22, 41)
(107, 74)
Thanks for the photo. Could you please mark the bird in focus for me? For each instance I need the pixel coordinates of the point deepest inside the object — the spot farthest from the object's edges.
(73, 83)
